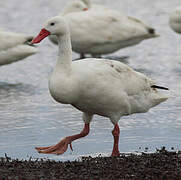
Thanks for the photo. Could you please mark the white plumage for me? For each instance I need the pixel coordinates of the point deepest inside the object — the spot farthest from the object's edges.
(15, 47)
(95, 86)
(104, 87)
(100, 32)
(103, 32)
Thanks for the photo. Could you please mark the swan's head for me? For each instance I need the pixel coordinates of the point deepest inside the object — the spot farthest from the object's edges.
(54, 26)
(75, 6)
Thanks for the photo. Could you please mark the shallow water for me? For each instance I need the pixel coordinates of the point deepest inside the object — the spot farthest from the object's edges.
(28, 115)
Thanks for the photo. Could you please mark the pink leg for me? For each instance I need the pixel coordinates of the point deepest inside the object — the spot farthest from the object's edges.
(115, 133)
(62, 146)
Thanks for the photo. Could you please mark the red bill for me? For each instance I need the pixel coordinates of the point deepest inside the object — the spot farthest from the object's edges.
(43, 34)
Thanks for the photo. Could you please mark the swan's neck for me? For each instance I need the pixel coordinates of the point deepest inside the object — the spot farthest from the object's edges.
(87, 2)
(64, 60)
(66, 10)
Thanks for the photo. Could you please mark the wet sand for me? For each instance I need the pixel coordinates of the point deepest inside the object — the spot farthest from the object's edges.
(161, 165)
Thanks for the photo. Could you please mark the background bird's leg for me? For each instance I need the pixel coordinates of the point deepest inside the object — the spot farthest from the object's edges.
(82, 55)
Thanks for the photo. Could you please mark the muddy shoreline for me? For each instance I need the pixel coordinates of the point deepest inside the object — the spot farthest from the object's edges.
(162, 164)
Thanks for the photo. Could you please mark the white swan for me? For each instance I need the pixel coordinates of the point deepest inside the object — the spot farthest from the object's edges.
(103, 32)
(104, 87)
(71, 7)
(175, 20)
(99, 32)
(15, 47)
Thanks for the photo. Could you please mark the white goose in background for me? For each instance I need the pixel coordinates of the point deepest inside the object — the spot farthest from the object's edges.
(71, 7)
(175, 20)
(104, 87)
(104, 32)
(100, 32)
(15, 47)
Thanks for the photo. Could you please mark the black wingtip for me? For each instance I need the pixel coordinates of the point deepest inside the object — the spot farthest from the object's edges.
(159, 87)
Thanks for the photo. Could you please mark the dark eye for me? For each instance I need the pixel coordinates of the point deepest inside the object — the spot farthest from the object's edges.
(52, 24)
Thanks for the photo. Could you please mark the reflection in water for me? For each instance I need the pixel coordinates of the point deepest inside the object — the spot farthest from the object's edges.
(145, 71)
(29, 117)
(7, 89)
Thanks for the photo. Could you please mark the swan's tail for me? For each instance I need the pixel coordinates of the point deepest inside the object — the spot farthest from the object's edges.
(158, 96)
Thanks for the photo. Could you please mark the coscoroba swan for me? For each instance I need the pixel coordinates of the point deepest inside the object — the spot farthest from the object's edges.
(99, 32)
(175, 20)
(15, 47)
(104, 87)
(103, 32)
